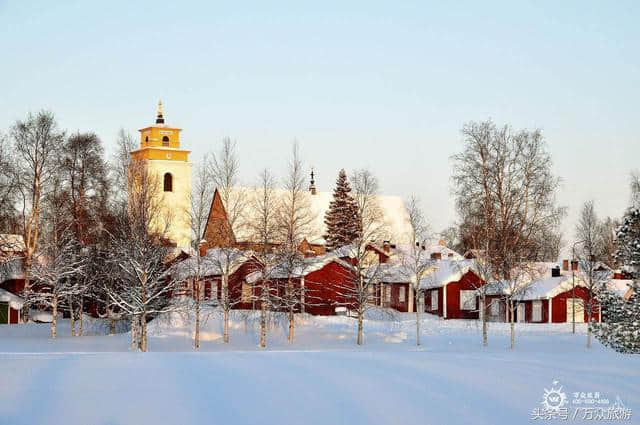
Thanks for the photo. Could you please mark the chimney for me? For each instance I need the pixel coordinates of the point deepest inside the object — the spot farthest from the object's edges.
(441, 242)
(436, 255)
(202, 248)
(386, 246)
(565, 265)
(574, 265)
(312, 185)
(555, 271)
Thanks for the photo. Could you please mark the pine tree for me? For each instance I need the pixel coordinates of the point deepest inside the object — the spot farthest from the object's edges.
(343, 223)
(620, 329)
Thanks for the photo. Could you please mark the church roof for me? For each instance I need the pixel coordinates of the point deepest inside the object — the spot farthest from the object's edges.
(396, 218)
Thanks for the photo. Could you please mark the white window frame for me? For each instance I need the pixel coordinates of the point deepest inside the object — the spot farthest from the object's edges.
(467, 299)
(387, 294)
(402, 294)
(536, 311)
(434, 300)
(247, 293)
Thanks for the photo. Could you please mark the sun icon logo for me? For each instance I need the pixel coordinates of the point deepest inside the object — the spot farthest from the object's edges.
(554, 398)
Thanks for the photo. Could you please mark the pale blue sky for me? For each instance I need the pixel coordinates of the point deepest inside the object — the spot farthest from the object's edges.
(360, 84)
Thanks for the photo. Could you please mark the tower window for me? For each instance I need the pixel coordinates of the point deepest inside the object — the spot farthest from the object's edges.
(165, 141)
(146, 139)
(168, 182)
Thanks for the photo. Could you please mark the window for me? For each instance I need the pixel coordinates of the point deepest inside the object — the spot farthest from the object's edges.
(168, 182)
(434, 300)
(165, 141)
(385, 295)
(495, 307)
(246, 293)
(467, 300)
(537, 311)
(146, 139)
(402, 294)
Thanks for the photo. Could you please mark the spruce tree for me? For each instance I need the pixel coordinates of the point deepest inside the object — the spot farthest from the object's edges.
(343, 223)
(620, 327)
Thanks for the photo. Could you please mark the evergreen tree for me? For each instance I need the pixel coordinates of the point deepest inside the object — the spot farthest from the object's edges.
(343, 223)
(620, 329)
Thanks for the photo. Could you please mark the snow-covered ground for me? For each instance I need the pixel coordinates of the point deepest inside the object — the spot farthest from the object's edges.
(322, 378)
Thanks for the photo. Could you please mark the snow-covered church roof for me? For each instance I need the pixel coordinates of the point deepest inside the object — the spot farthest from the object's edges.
(396, 218)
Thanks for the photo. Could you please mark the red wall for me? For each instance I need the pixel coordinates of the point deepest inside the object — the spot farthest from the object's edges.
(328, 288)
(559, 305)
(469, 281)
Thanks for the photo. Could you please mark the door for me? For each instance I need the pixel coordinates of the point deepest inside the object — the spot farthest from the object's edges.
(579, 309)
(4, 313)
(520, 312)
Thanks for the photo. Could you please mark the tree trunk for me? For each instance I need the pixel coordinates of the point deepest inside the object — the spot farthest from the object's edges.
(134, 332)
(291, 324)
(80, 319)
(196, 337)
(263, 325)
(485, 325)
(72, 315)
(418, 327)
(589, 327)
(226, 325)
(226, 306)
(112, 323)
(417, 297)
(360, 338)
(143, 332)
(54, 316)
(512, 325)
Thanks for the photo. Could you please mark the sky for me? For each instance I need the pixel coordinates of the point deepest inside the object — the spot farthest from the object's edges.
(359, 84)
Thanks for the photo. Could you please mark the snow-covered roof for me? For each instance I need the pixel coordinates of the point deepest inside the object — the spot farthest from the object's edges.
(430, 248)
(303, 268)
(447, 271)
(396, 218)
(620, 287)
(11, 269)
(11, 243)
(548, 288)
(215, 261)
(15, 302)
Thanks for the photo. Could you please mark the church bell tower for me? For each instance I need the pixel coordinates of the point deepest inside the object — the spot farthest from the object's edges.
(168, 164)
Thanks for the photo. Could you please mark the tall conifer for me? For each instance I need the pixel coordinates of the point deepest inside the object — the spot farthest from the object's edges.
(343, 223)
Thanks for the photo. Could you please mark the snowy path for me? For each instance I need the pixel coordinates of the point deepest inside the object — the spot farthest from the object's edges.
(321, 379)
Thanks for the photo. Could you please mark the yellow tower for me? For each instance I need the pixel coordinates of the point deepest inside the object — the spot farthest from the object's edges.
(169, 165)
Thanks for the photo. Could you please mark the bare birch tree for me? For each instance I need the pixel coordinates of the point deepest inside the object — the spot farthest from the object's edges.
(416, 263)
(589, 234)
(202, 193)
(264, 228)
(224, 170)
(36, 143)
(139, 256)
(294, 222)
(58, 269)
(505, 196)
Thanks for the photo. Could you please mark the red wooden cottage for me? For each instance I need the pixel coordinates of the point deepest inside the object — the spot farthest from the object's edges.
(451, 291)
(554, 298)
(323, 283)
